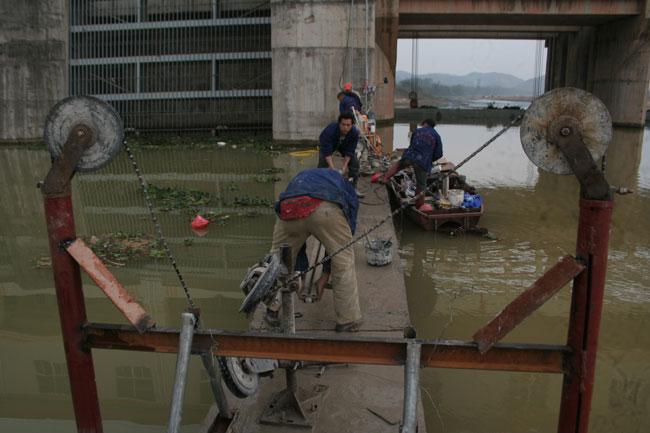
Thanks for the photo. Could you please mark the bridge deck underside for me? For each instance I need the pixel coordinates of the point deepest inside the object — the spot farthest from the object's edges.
(507, 19)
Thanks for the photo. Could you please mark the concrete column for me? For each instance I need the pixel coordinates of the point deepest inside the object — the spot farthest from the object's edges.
(620, 69)
(557, 62)
(579, 55)
(33, 65)
(312, 59)
(385, 64)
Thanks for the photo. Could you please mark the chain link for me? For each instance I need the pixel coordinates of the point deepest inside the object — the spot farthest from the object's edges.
(406, 203)
(156, 222)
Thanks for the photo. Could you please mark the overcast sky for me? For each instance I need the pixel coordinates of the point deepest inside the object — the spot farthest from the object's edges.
(462, 56)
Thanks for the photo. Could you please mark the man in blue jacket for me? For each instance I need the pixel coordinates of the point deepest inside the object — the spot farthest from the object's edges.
(347, 102)
(425, 147)
(341, 137)
(322, 203)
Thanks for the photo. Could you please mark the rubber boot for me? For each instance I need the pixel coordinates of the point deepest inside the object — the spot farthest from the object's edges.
(391, 171)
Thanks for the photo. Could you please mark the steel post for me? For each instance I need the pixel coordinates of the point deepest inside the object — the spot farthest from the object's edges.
(586, 308)
(72, 313)
(288, 313)
(215, 384)
(411, 387)
(184, 351)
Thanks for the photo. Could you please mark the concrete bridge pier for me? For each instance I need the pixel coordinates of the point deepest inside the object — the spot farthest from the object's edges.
(611, 61)
(319, 45)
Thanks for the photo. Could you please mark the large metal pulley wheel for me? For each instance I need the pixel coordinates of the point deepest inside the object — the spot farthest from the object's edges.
(566, 111)
(94, 114)
(242, 375)
(239, 380)
(259, 283)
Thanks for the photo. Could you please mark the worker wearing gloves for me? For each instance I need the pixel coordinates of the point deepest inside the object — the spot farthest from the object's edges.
(322, 203)
(425, 147)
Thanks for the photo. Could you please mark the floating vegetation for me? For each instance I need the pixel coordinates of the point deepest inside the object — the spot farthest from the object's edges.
(118, 248)
(169, 199)
(273, 170)
(216, 218)
(245, 201)
(259, 143)
(265, 178)
(44, 262)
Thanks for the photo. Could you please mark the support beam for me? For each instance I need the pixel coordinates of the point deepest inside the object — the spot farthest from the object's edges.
(527, 302)
(106, 281)
(523, 7)
(339, 349)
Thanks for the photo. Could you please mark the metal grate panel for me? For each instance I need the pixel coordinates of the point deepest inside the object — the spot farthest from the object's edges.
(175, 64)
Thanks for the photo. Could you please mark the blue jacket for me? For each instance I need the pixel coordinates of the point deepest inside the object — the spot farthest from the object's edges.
(348, 102)
(324, 184)
(329, 140)
(426, 147)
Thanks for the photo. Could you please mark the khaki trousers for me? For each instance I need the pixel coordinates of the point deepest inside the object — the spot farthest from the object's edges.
(329, 225)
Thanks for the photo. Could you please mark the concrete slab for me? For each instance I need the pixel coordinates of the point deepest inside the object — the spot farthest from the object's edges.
(358, 398)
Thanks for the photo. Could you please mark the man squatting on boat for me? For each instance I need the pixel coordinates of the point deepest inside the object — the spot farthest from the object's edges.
(322, 203)
(425, 147)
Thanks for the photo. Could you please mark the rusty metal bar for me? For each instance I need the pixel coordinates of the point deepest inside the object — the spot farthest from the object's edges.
(334, 349)
(527, 302)
(112, 288)
(59, 217)
(584, 323)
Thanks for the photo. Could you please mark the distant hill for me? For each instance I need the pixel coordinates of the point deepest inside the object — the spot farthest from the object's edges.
(494, 82)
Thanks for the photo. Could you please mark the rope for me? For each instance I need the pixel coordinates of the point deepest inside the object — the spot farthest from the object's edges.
(405, 204)
(156, 222)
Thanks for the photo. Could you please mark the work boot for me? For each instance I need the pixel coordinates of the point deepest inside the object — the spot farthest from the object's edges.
(349, 327)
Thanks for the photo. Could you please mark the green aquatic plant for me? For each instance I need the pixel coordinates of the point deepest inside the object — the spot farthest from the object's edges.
(171, 198)
(119, 248)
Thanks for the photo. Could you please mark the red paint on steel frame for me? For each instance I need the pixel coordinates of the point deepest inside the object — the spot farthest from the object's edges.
(72, 312)
(586, 309)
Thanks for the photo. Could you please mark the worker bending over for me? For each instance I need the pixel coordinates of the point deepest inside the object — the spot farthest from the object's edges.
(425, 147)
(341, 137)
(322, 203)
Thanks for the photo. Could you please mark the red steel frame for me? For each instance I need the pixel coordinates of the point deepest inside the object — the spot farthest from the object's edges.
(72, 312)
(576, 360)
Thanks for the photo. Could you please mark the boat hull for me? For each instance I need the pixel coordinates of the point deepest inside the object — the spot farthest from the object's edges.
(444, 220)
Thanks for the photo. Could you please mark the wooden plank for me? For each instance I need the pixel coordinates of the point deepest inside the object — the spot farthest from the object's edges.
(527, 302)
(123, 300)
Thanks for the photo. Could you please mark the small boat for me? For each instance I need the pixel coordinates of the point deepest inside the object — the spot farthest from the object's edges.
(442, 216)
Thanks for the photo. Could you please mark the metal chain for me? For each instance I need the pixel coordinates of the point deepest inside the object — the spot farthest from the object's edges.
(156, 222)
(405, 204)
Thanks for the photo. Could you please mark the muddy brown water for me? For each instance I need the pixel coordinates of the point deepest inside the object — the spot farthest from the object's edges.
(455, 284)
